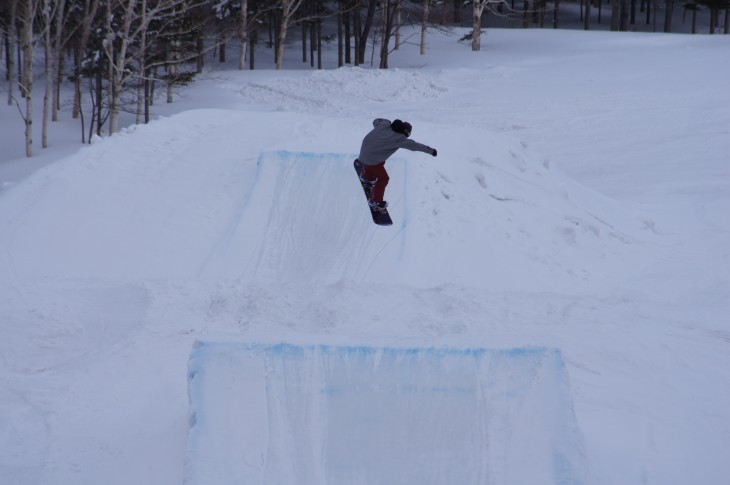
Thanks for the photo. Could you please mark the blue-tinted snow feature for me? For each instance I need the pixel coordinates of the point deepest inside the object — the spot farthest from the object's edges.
(286, 414)
(304, 218)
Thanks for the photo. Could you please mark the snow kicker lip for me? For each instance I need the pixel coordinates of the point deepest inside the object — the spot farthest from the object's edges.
(290, 414)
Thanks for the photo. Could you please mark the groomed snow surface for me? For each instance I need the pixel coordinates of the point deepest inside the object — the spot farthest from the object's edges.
(205, 299)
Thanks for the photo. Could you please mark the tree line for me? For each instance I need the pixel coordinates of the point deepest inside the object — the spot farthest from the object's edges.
(120, 54)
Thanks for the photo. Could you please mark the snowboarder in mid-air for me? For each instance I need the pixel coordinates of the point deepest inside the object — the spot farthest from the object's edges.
(377, 146)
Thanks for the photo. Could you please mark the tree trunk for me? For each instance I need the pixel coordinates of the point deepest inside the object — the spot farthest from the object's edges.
(624, 22)
(648, 12)
(140, 95)
(48, 71)
(76, 110)
(669, 5)
(81, 113)
(57, 56)
(288, 9)
(312, 43)
(363, 36)
(600, 10)
(587, 19)
(280, 40)
(147, 94)
(615, 15)
(304, 41)
(424, 24)
(173, 67)
(200, 49)
(110, 55)
(632, 20)
(319, 42)
(476, 35)
(340, 43)
(243, 33)
(10, 49)
(60, 69)
(458, 17)
(90, 9)
(118, 64)
(397, 26)
(385, 17)
(26, 85)
(252, 49)
(153, 86)
(142, 67)
(356, 27)
(99, 104)
(348, 34)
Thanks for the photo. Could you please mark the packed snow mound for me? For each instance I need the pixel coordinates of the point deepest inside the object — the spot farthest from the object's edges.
(323, 91)
(286, 414)
(169, 209)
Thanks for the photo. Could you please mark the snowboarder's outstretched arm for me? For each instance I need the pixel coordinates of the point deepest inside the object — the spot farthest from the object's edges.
(414, 146)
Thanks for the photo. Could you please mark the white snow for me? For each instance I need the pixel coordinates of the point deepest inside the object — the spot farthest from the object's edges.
(579, 202)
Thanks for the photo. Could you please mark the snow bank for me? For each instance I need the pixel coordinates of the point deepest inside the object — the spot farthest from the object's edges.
(288, 414)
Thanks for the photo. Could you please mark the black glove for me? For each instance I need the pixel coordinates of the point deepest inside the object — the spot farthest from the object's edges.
(433, 152)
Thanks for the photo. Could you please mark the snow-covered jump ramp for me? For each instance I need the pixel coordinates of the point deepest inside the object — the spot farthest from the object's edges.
(314, 415)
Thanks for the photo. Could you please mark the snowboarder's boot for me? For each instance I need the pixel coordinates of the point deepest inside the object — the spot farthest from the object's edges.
(366, 181)
(381, 206)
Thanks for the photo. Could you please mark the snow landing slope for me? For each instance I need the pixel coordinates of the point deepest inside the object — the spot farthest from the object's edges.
(180, 206)
(129, 240)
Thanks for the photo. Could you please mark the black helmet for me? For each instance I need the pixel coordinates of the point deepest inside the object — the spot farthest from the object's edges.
(407, 128)
(401, 127)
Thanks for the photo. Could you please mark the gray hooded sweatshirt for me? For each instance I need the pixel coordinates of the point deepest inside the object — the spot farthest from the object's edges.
(382, 142)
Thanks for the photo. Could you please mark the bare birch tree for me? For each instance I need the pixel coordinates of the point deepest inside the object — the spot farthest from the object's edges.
(28, 9)
(46, 15)
(12, 35)
(57, 66)
(243, 33)
(287, 10)
(478, 8)
(476, 35)
(424, 24)
(80, 41)
(122, 54)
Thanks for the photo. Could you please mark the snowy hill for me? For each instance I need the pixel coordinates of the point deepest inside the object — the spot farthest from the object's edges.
(578, 203)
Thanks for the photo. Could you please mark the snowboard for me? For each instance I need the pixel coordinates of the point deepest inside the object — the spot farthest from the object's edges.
(381, 218)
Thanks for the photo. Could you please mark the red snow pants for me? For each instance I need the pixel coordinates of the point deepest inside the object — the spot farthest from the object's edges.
(378, 171)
